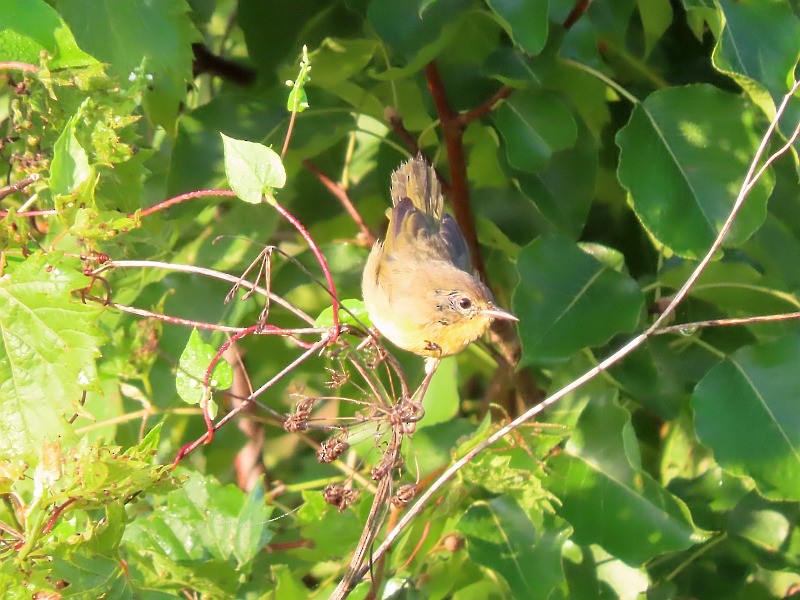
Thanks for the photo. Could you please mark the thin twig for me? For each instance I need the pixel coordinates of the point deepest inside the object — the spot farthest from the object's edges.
(476, 113)
(18, 185)
(153, 264)
(341, 195)
(691, 327)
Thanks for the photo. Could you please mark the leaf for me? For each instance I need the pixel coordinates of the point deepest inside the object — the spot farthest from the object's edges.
(70, 165)
(683, 155)
(441, 401)
(656, 17)
(751, 396)
(203, 520)
(253, 170)
(525, 21)
(534, 125)
(28, 27)
(195, 360)
(564, 189)
(138, 33)
(606, 496)
(500, 536)
(762, 64)
(356, 314)
(48, 345)
(567, 300)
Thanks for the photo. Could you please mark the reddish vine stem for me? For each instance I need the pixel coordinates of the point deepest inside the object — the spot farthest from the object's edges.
(207, 377)
(187, 449)
(323, 263)
(56, 514)
(341, 195)
(452, 130)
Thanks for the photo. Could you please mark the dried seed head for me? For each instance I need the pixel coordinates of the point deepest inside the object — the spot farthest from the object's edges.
(331, 449)
(336, 494)
(405, 494)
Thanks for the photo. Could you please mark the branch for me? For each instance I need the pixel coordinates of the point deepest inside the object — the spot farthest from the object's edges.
(17, 66)
(341, 195)
(683, 328)
(452, 130)
(578, 10)
(18, 185)
(476, 113)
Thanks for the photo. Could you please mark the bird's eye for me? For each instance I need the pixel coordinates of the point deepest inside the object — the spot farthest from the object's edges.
(465, 303)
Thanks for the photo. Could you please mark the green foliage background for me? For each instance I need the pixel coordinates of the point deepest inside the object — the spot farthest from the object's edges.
(597, 181)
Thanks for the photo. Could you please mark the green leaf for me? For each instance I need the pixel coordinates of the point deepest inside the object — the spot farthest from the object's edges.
(48, 345)
(683, 156)
(70, 165)
(563, 191)
(136, 33)
(29, 26)
(534, 125)
(762, 63)
(606, 496)
(192, 366)
(441, 401)
(567, 300)
(525, 21)
(500, 536)
(750, 396)
(253, 170)
(355, 306)
(656, 17)
(203, 520)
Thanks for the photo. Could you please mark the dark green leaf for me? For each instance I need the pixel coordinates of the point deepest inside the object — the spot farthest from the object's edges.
(567, 300)
(763, 64)
(750, 396)
(500, 536)
(524, 20)
(683, 156)
(534, 125)
(134, 34)
(606, 496)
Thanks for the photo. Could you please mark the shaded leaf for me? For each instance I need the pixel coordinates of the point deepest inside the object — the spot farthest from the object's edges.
(762, 64)
(524, 20)
(534, 125)
(138, 33)
(751, 396)
(567, 300)
(606, 496)
(70, 165)
(500, 536)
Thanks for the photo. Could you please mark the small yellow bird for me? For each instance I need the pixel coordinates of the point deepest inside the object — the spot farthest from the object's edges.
(419, 287)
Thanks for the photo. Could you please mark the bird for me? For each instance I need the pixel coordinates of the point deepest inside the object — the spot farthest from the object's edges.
(419, 288)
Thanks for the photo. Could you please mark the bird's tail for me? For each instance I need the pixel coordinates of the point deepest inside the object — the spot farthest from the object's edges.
(417, 181)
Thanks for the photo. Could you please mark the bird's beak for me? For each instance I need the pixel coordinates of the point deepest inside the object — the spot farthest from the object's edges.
(498, 313)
